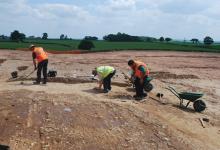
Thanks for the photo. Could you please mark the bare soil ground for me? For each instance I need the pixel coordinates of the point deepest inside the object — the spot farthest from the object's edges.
(67, 114)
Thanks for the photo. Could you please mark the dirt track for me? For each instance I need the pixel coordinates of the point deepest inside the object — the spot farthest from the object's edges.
(74, 116)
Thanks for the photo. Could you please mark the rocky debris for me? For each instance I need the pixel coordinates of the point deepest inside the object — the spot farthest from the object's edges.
(168, 75)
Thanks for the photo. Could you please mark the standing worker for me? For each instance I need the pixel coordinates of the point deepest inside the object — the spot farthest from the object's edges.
(40, 61)
(140, 74)
(104, 73)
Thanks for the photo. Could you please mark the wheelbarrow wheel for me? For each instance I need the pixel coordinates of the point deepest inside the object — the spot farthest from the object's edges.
(149, 87)
(199, 105)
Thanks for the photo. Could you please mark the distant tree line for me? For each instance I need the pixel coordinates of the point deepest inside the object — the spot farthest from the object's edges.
(91, 38)
(4, 37)
(121, 37)
(19, 37)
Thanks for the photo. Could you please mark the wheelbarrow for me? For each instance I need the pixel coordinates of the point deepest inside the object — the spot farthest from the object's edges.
(198, 105)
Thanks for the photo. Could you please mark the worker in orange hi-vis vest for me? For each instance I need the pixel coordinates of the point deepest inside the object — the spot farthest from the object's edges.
(40, 61)
(140, 73)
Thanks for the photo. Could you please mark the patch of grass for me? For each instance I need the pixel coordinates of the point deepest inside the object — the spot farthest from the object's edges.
(47, 44)
(103, 46)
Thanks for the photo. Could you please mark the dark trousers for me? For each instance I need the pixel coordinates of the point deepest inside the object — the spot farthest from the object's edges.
(139, 87)
(107, 81)
(42, 66)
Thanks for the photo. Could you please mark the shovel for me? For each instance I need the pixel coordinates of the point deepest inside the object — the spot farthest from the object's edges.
(23, 78)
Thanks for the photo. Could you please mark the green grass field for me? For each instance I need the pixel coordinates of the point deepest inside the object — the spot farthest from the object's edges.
(63, 45)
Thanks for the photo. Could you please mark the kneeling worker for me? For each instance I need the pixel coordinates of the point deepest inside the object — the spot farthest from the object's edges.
(40, 61)
(104, 73)
(140, 74)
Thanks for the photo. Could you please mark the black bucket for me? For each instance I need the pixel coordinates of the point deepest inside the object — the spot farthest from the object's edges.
(52, 73)
(14, 74)
(3, 147)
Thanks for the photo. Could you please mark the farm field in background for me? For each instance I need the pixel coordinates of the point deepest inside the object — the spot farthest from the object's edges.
(63, 45)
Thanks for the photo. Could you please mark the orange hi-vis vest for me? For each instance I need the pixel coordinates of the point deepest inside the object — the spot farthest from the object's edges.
(137, 72)
(41, 55)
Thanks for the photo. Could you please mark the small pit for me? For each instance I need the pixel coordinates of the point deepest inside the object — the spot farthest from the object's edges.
(2, 61)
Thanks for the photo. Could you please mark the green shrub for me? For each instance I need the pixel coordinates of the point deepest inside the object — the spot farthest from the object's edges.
(86, 45)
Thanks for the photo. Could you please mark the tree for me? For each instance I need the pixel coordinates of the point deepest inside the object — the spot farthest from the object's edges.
(17, 36)
(195, 41)
(45, 36)
(208, 40)
(161, 39)
(62, 36)
(86, 45)
(168, 39)
(66, 37)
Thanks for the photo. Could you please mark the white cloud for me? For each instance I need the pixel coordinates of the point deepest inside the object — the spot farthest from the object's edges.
(52, 18)
(62, 11)
(121, 4)
(175, 18)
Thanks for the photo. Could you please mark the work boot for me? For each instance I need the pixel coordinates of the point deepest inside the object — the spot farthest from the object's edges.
(44, 81)
(36, 83)
(105, 91)
(144, 95)
(137, 97)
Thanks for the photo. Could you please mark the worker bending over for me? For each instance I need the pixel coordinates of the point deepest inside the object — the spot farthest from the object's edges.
(40, 61)
(104, 73)
(140, 74)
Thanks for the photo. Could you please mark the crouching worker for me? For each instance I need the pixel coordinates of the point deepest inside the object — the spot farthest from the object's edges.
(40, 61)
(105, 74)
(140, 73)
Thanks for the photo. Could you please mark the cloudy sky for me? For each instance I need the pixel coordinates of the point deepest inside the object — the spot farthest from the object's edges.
(178, 19)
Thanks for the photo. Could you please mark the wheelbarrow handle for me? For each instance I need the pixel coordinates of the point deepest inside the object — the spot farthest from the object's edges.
(172, 90)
